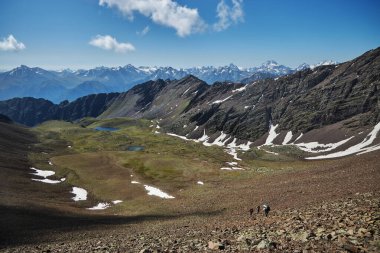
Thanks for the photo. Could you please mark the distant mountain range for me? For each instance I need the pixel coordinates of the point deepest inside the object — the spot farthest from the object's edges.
(346, 94)
(57, 86)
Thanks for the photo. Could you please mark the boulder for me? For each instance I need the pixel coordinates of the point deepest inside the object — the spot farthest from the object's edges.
(215, 245)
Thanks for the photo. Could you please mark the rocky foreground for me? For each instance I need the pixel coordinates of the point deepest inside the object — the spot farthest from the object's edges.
(349, 225)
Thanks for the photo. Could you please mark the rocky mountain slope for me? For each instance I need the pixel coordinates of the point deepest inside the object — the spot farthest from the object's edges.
(307, 100)
(332, 100)
(31, 111)
(348, 225)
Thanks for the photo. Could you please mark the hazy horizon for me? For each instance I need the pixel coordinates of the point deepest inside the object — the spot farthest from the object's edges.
(139, 66)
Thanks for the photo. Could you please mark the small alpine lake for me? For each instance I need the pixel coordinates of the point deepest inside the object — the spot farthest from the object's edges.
(107, 129)
(135, 148)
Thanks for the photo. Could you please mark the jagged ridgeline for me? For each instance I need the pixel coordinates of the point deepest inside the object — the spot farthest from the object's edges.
(70, 85)
(347, 93)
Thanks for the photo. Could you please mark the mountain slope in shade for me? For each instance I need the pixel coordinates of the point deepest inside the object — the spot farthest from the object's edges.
(15, 144)
(31, 111)
(157, 99)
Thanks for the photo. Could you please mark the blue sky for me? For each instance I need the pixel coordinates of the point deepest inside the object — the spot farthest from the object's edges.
(57, 34)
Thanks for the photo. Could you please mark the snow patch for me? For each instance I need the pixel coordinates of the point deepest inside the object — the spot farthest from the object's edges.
(221, 101)
(205, 137)
(245, 147)
(270, 152)
(315, 147)
(47, 181)
(288, 137)
(233, 152)
(100, 206)
(272, 135)
(185, 91)
(360, 148)
(80, 194)
(200, 182)
(42, 173)
(232, 144)
(153, 191)
(178, 136)
(369, 149)
(240, 89)
(221, 140)
(115, 202)
(231, 168)
(45, 174)
(135, 182)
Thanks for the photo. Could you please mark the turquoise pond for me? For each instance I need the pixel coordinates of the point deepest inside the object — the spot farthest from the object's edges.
(108, 129)
(135, 148)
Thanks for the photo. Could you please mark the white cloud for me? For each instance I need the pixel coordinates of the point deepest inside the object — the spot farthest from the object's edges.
(228, 15)
(109, 43)
(164, 12)
(11, 44)
(144, 31)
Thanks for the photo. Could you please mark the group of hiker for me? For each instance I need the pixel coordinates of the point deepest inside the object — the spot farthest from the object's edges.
(266, 209)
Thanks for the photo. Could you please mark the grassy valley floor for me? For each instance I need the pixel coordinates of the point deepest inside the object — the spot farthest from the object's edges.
(327, 205)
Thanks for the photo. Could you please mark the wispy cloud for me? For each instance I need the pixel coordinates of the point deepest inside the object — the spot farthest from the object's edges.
(107, 42)
(144, 31)
(228, 15)
(169, 13)
(11, 44)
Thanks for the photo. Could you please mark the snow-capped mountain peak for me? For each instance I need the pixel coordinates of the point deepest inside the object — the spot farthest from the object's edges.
(302, 66)
(232, 66)
(270, 64)
(323, 63)
(24, 70)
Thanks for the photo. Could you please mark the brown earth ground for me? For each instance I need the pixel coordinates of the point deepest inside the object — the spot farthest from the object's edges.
(331, 206)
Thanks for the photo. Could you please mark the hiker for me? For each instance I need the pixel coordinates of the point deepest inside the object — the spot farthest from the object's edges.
(251, 211)
(266, 209)
(258, 209)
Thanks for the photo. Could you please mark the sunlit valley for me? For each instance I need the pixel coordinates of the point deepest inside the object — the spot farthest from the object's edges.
(119, 149)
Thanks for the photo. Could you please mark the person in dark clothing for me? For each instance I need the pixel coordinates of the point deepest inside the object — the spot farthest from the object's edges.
(266, 209)
(258, 209)
(251, 211)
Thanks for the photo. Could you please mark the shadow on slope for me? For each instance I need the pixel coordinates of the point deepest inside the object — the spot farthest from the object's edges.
(21, 225)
